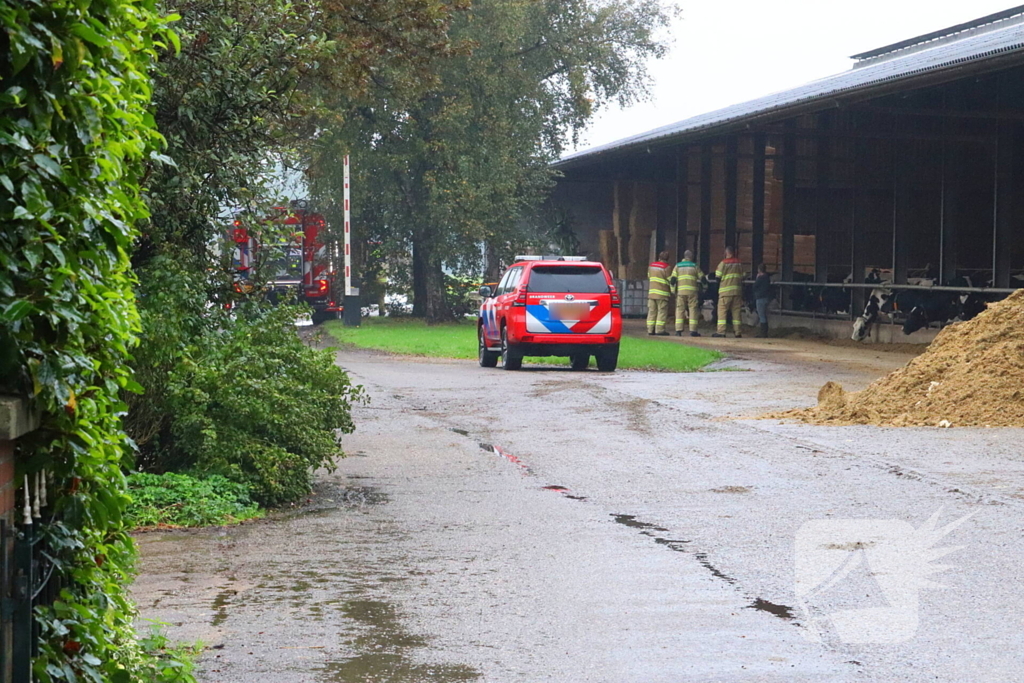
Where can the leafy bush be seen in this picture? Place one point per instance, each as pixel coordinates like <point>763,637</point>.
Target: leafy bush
<point>234,393</point>
<point>182,500</point>
<point>259,406</point>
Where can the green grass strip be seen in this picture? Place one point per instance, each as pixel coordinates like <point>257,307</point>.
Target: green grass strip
<point>412,336</point>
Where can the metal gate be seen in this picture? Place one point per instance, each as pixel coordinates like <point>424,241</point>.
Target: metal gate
<point>30,580</point>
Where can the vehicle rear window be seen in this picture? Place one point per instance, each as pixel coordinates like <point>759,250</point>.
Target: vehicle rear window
<point>581,279</point>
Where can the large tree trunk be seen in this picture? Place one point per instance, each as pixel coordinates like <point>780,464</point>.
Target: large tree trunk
<point>438,310</point>
<point>419,278</point>
<point>429,300</point>
<point>492,265</point>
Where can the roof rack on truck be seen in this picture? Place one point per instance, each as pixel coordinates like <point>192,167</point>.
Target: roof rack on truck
<point>552,257</point>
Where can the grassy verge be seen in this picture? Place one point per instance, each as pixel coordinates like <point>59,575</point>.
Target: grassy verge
<point>180,500</point>
<point>458,340</point>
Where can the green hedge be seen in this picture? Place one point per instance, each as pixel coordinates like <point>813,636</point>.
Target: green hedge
<point>75,134</point>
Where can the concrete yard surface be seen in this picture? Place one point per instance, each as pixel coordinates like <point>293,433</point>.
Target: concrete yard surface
<point>634,527</point>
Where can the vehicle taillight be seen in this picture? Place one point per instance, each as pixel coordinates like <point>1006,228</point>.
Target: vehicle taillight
<point>321,286</point>
<point>521,298</point>
<point>616,301</point>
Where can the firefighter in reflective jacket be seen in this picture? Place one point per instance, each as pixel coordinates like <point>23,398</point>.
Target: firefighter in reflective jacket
<point>730,293</point>
<point>688,277</point>
<point>660,274</point>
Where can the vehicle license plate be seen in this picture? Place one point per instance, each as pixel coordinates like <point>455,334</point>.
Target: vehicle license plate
<point>570,311</point>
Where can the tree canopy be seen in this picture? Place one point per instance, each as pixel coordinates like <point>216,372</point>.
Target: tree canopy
<point>466,161</point>
<point>252,84</point>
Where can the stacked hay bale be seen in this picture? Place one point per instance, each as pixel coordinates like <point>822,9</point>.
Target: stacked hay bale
<point>972,375</point>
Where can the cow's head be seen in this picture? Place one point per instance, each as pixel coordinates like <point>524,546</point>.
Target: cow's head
<point>915,321</point>
<point>970,306</point>
<point>860,329</point>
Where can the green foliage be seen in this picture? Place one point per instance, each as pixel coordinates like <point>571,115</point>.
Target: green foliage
<point>468,160</point>
<point>258,406</point>
<point>233,392</point>
<point>176,319</point>
<point>250,86</point>
<point>171,499</point>
<point>236,393</point>
<point>165,662</point>
<point>75,131</point>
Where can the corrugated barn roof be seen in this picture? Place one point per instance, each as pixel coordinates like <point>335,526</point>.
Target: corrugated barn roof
<point>991,37</point>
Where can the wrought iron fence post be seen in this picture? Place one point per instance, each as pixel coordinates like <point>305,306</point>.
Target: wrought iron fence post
<point>24,580</point>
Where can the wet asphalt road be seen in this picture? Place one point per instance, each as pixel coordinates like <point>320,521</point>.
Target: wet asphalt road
<point>547,525</point>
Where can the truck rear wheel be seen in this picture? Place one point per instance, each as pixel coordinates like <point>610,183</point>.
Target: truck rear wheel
<point>511,356</point>
<point>608,359</point>
<point>579,361</point>
<point>320,317</point>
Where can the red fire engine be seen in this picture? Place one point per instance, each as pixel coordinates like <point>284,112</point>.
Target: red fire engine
<point>304,268</point>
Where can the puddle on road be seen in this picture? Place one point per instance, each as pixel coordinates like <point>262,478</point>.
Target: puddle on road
<point>330,498</point>
<point>220,606</point>
<point>634,523</point>
<point>385,628</point>
<point>681,546</point>
<point>386,644</point>
<point>489,448</point>
<point>677,545</point>
<point>564,491</point>
<point>378,667</point>
<point>780,611</point>
<point>715,571</point>
<point>732,489</point>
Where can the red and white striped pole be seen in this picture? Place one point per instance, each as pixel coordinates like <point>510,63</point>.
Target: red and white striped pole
<point>348,230</point>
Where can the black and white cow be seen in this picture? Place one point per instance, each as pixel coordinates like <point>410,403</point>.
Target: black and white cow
<point>944,307</point>
<point>925,308</point>
<point>879,301</point>
<point>921,307</point>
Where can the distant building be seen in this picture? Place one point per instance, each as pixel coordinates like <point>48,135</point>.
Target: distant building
<point>911,163</point>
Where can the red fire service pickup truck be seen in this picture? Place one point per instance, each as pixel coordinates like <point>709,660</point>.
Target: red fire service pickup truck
<point>551,306</point>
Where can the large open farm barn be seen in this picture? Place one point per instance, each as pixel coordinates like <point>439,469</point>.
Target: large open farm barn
<point>909,167</point>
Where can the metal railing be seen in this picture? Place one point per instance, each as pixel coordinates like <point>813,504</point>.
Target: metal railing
<point>636,306</point>
<point>26,557</point>
<point>885,285</point>
<point>852,313</point>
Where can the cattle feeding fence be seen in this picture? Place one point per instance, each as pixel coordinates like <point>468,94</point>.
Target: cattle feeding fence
<point>886,285</point>
<point>805,299</point>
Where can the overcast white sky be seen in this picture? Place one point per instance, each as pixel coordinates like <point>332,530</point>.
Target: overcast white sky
<point>729,51</point>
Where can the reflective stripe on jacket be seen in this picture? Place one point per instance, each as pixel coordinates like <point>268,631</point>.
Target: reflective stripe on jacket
<point>659,273</point>
<point>730,275</point>
<point>688,276</point>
